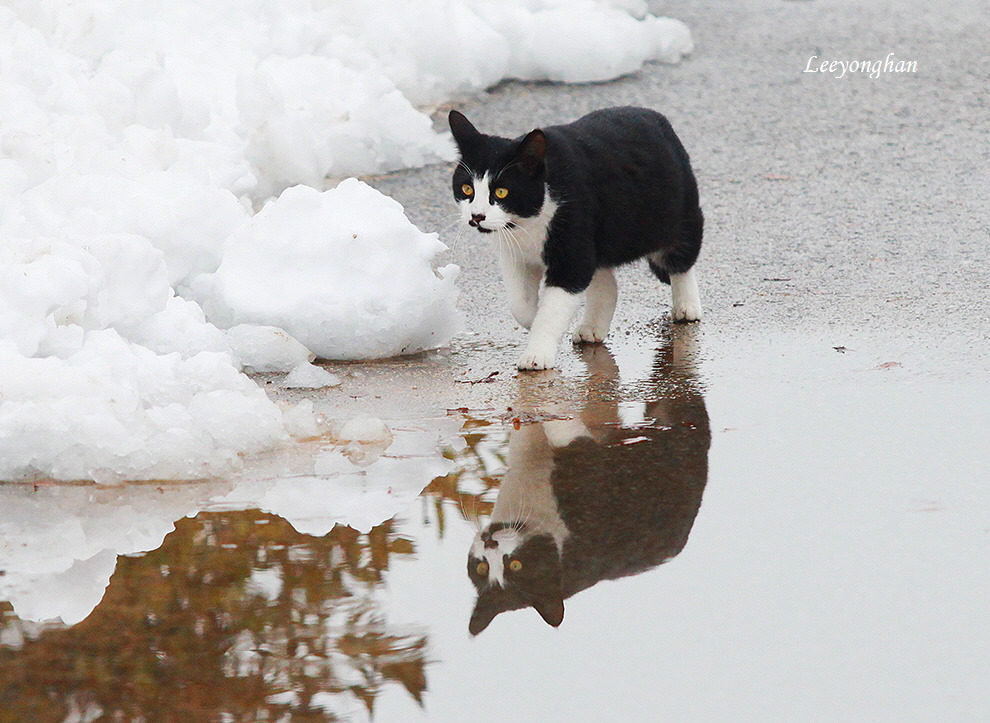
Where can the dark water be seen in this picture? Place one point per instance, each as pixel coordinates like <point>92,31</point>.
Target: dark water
<point>742,549</point>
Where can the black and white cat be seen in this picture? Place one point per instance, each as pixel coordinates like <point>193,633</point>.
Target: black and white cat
<point>589,498</point>
<point>568,204</point>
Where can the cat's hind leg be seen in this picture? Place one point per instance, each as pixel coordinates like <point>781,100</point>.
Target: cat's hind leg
<point>600,299</point>
<point>685,302</point>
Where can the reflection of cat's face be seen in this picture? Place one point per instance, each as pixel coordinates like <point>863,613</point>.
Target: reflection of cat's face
<point>512,568</point>
<point>492,555</point>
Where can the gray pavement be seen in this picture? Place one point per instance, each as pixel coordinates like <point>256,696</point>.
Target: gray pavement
<point>854,209</point>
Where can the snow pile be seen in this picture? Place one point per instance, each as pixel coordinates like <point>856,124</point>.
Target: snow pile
<point>253,96</point>
<point>581,42</point>
<point>108,410</point>
<point>342,271</point>
<point>136,139</point>
<point>79,399</point>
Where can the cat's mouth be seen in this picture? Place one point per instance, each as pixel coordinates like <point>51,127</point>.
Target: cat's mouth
<point>508,225</point>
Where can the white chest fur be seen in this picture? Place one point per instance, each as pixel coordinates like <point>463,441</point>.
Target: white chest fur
<point>529,234</point>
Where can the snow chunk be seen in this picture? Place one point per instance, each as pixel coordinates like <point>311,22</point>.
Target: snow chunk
<point>365,428</point>
<point>266,348</point>
<point>301,421</point>
<point>310,376</point>
<point>343,271</point>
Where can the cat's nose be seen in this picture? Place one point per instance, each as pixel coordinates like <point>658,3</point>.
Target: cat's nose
<point>476,218</point>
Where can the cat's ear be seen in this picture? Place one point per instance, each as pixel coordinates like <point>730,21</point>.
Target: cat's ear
<point>464,132</point>
<point>481,618</point>
<point>532,151</point>
<point>551,609</point>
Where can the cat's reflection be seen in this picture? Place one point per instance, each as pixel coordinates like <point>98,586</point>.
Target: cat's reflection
<point>595,496</point>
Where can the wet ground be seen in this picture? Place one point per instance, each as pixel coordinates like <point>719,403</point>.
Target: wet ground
<point>794,532</point>
<point>779,514</point>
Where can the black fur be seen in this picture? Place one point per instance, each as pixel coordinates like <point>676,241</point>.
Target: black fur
<point>622,180</point>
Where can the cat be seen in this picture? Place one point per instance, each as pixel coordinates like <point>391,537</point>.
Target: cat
<point>588,499</point>
<point>568,204</point>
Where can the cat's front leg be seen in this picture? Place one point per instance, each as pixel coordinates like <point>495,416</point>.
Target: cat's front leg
<point>556,309</point>
<point>522,283</point>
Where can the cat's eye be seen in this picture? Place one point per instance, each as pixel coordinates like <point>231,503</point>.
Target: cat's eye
<point>501,192</point>
<point>467,189</point>
<point>482,568</point>
<point>515,565</point>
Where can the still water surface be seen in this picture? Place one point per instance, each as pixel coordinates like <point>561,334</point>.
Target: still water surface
<point>803,538</point>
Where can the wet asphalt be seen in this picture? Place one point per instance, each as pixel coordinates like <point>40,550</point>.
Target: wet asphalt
<point>853,209</point>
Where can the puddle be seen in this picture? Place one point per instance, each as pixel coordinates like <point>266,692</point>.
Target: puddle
<point>787,532</point>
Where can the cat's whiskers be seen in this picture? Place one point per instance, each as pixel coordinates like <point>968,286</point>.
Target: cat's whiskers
<point>521,514</point>
<point>472,519</point>
<point>524,230</point>
<point>455,225</point>
<point>504,236</point>
<point>529,510</point>
<point>516,248</point>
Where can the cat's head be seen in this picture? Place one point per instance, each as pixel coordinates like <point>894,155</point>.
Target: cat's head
<point>498,181</point>
<point>512,568</point>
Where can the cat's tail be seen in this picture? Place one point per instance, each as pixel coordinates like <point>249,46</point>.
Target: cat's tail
<point>684,253</point>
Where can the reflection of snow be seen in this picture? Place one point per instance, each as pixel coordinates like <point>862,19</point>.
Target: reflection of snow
<point>58,544</point>
<point>68,594</point>
<point>360,499</point>
<point>266,581</point>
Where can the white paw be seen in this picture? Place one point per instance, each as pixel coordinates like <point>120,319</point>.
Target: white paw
<point>686,311</point>
<point>537,357</point>
<point>589,334</point>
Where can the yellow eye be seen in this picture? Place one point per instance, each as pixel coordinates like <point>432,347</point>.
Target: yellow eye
<point>467,189</point>
<point>501,192</point>
<point>515,565</point>
<point>482,568</point>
